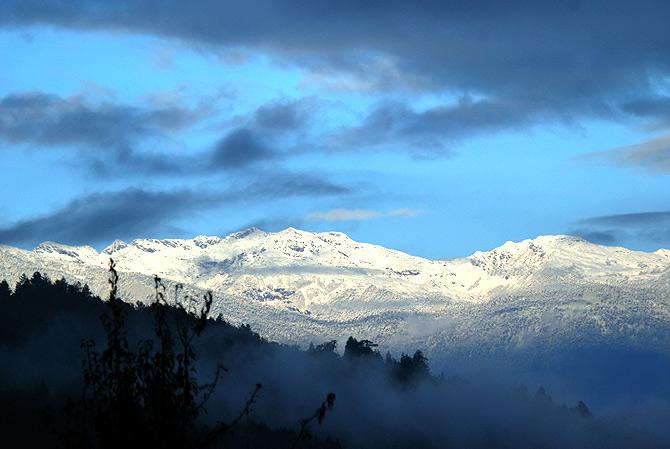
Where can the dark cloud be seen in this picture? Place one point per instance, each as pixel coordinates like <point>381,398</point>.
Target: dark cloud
<point>99,218</point>
<point>655,109</point>
<point>50,120</point>
<point>129,163</point>
<point>282,115</point>
<point>113,133</point>
<point>558,60</point>
<point>645,229</point>
<point>102,217</point>
<point>652,155</point>
<point>642,218</point>
<point>239,148</point>
<point>396,124</point>
<point>599,237</point>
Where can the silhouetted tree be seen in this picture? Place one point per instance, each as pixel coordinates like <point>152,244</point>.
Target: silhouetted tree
<point>327,348</point>
<point>5,291</point>
<point>148,397</point>
<point>35,301</point>
<point>355,348</point>
<point>412,369</point>
<point>318,416</point>
<point>142,410</point>
<point>420,367</point>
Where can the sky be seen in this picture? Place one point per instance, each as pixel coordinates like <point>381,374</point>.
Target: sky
<point>435,128</point>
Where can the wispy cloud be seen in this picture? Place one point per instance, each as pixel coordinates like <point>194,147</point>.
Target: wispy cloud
<point>647,228</point>
<point>398,126</point>
<point>51,120</point>
<point>335,215</point>
<point>652,156</point>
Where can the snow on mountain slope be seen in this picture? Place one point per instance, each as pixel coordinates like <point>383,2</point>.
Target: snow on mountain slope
<point>297,286</point>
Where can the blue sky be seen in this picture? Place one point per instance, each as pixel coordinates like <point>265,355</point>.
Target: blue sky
<point>437,130</point>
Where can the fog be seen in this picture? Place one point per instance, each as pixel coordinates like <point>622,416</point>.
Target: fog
<point>480,403</point>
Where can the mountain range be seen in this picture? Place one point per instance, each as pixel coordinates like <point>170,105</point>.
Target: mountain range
<point>528,300</point>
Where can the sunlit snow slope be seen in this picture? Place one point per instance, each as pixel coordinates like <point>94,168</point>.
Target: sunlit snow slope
<point>297,286</point>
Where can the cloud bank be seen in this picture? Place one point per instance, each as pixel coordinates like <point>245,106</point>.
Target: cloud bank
<point>524,63</point>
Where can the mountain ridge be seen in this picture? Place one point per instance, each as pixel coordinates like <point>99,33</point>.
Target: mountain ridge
<point>118,243</point>
<point>211,262</point>
<point>295,286</point>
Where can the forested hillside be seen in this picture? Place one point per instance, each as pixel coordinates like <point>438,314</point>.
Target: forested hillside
<point>78,371</point>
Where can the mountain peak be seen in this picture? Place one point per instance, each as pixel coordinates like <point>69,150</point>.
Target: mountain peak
<point>246,233</point>
<point>549,240</point>
<point>292,230</point>
<point>116,245</point>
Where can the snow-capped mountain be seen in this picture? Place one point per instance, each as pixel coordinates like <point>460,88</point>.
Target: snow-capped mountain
<point>296,286</point>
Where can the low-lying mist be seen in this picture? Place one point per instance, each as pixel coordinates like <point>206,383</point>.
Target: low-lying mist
<point>381,400</point>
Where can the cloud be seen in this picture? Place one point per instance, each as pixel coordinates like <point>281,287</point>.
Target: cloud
<point>99,218</point>
<point>112,134</point>
<point>655,109</point>
<point>404,212</point>
<point>652,155</point>
<point>642,218</point>
<point>531,61</point>
<point>334,215</point>
<point>240,148</point>
<point>289,184</point>
<point>107,133</point>
<point>287,115</point>
<point>343,215</point>
<point>398,125</point>
<point>643,229</point>
<point>600,237</point>
<point>51,120</point>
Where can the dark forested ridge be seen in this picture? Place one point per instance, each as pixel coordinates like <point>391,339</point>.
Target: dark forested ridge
<point>77,371</point>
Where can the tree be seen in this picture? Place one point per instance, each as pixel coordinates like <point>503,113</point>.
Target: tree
<point>86,291</point>
<point>149,397</point>
<point>5,291</point>
<point>327,348</point>
<point>420,363</point>
<point>412,369</point>
<point>355,348</point>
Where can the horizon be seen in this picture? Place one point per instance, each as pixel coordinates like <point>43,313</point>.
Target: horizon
<point>129,120</point>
